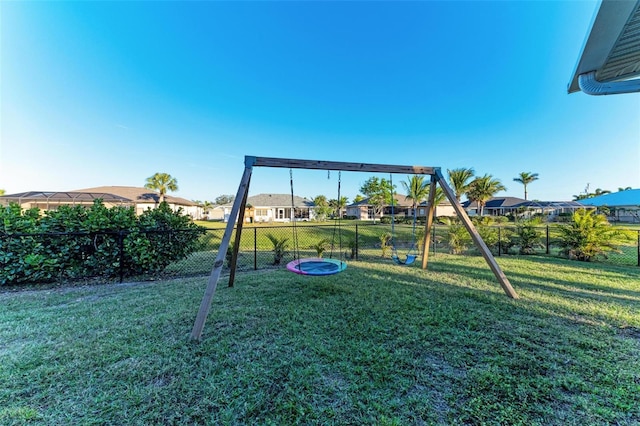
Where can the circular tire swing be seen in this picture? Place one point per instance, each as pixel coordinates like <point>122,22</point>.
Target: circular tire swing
<point>315,266</point>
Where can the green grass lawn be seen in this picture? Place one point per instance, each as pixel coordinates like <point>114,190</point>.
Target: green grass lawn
<point>376,344</point>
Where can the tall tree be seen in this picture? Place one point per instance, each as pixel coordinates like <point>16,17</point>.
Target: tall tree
<point>322,207</point>
<point>601,192</point>
<point>482,189</point>
<point>378,191</point>
<point>224,199</point>
<point>339,205</point>
<point>416,189</point>
<point>162,182</point>
<point>587,194</point>
<point>459,179</point>
<point>525,178</point>
<point>206,206</point>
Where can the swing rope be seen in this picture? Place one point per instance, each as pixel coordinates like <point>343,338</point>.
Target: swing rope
<point>337,224</point>
<point>296,246</point>
<point>313,266</point>
<point>410,258</point>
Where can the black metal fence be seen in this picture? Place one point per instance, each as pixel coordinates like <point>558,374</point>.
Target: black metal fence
<point>269,247</point>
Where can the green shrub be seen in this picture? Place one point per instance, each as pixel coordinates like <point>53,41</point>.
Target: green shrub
<point>352,245</point>
<point>320,247</point>
<point>78,241</point>
<point>385,243</point>
<point>279,248</point>
<point>528,237</point>
<point>588,236</point>
<point>456,236</point>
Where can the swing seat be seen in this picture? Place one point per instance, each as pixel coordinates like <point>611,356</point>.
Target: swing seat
<point>316,266</point>
<point>408,261</point>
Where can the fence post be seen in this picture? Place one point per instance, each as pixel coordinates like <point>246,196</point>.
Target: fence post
<point>499,240</point>
<point>356,242</point>
<point>547,239</point>
<point>255,249</point>
<point>433,239</point>
<point>121,253</point>
<point>638,248</point>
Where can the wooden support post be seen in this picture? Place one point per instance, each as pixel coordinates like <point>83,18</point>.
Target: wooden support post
<point>429,223</point>
<point>236,243</point>
<point>486,253</point>
<point>205,305</point>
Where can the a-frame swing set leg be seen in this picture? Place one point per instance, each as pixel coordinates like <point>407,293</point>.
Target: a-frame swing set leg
<point>205,305</point>
<point>475,236</point>
<point>426,243</point>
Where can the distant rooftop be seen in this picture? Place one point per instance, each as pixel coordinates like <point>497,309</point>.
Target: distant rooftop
<point>63,197</point>
<point>630,197</point>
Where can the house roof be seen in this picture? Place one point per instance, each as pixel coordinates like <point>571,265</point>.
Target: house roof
<point>499,202</point>
<point>69,197</point>
<point>630,197</point>
<point>139,195</point>
<point>401,201</point>
<point>612,47</point>
<point>278,200</point>
<point>552,204</point>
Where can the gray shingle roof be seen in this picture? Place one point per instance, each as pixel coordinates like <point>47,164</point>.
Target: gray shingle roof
<point>278,200</point>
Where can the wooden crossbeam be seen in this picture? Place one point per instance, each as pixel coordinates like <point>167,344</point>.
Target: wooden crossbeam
<point>336,165</point>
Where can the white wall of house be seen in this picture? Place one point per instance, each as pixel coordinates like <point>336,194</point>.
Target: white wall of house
<point>194,211</point>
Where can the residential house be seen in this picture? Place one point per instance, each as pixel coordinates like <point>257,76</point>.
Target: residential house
<point>496,206</point>
<point>624,206</point>
<point>144,199</point>
<point>50,200</point>
<point>275,208</point>
<point>140,198</point>
<point>364,210</point>
<point>502,206</point>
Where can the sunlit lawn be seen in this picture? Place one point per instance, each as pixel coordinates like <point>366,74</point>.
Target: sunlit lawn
<point>376,344</point>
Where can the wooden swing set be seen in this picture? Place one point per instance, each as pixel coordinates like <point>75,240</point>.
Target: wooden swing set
<point>238,209</point>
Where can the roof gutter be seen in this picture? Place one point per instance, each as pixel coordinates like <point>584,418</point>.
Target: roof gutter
<point>589,85</point>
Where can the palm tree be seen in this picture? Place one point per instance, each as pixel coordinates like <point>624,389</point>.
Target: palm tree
<point>417,190</point>
<point>459,180</point>
<point>526,178</point>
<point>162,182</point>
<point>482,189</point>
<point>322,207</point>
<point>599,192</point>
<point>341,204</point>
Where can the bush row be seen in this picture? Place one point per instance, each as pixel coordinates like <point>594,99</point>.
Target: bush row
<point>79,241</point>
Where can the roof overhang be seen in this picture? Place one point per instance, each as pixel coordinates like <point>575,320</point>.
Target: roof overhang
<point>611,54</point>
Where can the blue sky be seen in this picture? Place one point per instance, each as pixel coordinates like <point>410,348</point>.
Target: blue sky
<point>109,93</point>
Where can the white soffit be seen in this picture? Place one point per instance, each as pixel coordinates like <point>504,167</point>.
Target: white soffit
<point>612,47</point>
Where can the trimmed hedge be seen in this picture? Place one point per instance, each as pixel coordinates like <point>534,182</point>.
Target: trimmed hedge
<point>79,241</point>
